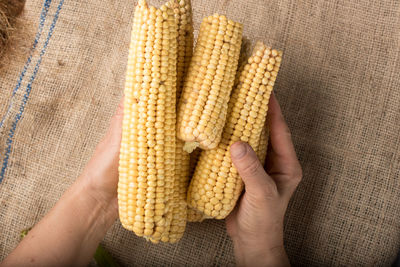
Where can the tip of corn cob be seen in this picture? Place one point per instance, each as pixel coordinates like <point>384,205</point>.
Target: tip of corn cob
<point>142,3</point>
<point>189,147</point>
<point>194,215</point>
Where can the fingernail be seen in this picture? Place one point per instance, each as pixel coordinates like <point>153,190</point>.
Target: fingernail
<point>238,150</point>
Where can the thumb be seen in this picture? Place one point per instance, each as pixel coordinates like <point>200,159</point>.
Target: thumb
<point>257,182</point>
<point>112,138</point>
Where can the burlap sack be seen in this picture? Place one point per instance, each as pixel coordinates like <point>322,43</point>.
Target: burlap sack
<point>338,87</point>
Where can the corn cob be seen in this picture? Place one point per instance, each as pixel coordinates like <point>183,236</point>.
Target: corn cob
<point>183,15</point>
<point>204,101</point>
<point>147,156</point>
<point>216,185</point>
<point>263,144</point>
<point>194,215</point>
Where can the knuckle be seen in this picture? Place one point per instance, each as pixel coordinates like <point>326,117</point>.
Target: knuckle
<point>257,201</point>
<point>120,110</point>
<point>116,117</point>
<point>297,176</point>
<point>252,167</point>
<point>261,194</point>
<point>269,193</point>
<point>288,132</point>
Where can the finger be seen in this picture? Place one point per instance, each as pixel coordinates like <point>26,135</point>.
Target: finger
<point>257,182</point>
<point>282,147</point>
<point>116,120</point>
<point>114,132</point>
<point>281,139</point>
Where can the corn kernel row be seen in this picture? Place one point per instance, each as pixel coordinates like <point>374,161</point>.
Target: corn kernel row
<point>263,144</point>
<point>183,15</point>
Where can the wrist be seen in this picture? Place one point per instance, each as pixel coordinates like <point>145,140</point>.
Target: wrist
<point>260,254</point>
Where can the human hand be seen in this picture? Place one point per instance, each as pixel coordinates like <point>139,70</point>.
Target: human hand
<point>82,216</point>
<point>100,175</point>
<point>256,224</point>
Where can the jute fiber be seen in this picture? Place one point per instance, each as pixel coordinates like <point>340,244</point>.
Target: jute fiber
<point>339,87</point>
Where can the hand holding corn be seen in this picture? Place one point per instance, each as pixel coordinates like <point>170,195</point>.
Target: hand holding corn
<point>177,100</point>
<point>72,230</point>
<point>256,224</point>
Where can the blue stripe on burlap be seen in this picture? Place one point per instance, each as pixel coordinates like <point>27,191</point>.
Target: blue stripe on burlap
<point>42,20</point>
<point>27,93</point>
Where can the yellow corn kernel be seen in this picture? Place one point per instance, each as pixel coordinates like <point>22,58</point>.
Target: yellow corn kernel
<point>208,84</point>
<point>263,144</point>
<point>216,185</point>
<point>147,155</point>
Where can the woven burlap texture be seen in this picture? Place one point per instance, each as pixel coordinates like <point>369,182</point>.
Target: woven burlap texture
<point>339,87</point>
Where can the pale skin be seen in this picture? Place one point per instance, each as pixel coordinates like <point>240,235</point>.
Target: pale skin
<point>70,233</point>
